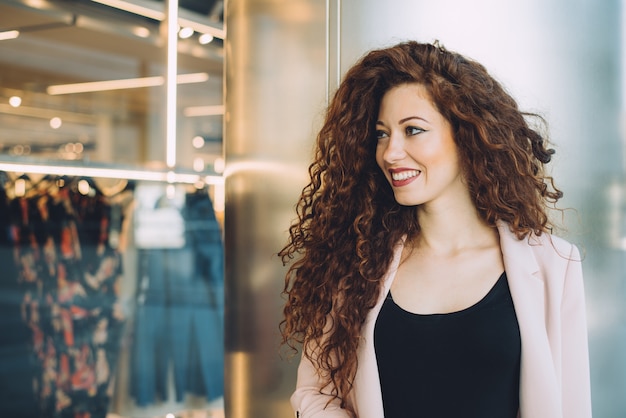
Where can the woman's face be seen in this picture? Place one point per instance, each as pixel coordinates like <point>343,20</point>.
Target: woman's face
<point>416,148</point>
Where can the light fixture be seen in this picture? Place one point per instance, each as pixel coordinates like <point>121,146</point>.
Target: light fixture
<point>198,164</point>
<point>141,31</point>
<point>112,173</point>
<point>219,164</point>
<point>171,82</point>
<point>153,11</point>
<point>129,83</point>
<point>134,8</point>
<point>9,34</point>
<point>56,122</point>
<point>197,142</point>
<point>15,101</point>
<point>20,149</point>
<point>205,38</point>
<point>185,33</point>
<point>193,111</point>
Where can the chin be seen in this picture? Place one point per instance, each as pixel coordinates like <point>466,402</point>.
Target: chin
<point>407,204</point>
<point>407,201</point>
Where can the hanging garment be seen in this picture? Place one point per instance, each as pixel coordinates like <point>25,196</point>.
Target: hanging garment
<point>67,278</point>
<point>17,398</point>
<point>182,289</point>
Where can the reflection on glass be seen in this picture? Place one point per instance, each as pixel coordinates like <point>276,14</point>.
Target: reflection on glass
<point>112,297</point>
<point>95,74</point>
<point>102,237</point>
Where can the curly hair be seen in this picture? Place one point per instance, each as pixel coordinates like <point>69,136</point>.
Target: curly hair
<point>348,221</point>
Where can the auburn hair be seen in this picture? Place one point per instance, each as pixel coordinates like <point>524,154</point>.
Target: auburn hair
<point>348,222</point>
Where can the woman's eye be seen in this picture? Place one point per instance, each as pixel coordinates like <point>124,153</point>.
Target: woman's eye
<point>381,134</point>
<point>413,130</point>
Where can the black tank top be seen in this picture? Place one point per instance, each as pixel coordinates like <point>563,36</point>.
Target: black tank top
<point>461,364</point>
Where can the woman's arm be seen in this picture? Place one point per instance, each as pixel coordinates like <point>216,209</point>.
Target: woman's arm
<point>311,398</point>
<point>576,392</point>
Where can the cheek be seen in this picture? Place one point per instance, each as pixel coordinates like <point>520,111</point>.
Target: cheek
<point>444,154</point>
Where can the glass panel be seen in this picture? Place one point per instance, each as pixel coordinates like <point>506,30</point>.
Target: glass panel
<point>111,295</point>
<point>111,298</point>
<point>83,81</point>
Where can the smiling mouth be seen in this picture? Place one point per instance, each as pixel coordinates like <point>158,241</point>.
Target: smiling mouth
<point>404,175</point>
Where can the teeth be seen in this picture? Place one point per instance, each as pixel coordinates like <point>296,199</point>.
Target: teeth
<point>403,175</point>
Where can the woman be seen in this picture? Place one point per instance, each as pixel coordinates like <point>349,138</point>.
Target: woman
<point>427,282</point>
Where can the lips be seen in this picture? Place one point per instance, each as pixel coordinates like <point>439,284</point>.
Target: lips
<point>401,177</point>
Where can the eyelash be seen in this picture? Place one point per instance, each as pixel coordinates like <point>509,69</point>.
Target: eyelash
<point>409,131</point>
<point>413,128</point>
<point>380,134</point>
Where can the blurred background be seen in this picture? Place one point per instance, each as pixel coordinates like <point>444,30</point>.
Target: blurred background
<point>145,193</point>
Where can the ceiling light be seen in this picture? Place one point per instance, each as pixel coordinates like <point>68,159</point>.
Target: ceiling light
<point>218,165</point>
<point>205,38</point>
<point>197,142</point>
<point>134,8</point>
<point>129,83</point>
<point>185,33</point>
<point>203,110</point>
<point>47,113</point>
<point>9,34</point>
<point>171,86</point>
<point>141,31</point>
<point>151,9</point>
<point>15,101</point>
<point>198,164</point>
<point>55,123</point>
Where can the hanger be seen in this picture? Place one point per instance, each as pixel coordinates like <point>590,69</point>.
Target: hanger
<point>21,185</point>
<point>86,186</point>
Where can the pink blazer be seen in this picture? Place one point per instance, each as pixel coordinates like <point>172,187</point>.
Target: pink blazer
<point>545,278</point>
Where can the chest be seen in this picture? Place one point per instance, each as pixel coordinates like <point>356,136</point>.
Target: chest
<point>426,283</point>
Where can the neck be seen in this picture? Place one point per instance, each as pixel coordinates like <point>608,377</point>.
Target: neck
<point>453,229</point>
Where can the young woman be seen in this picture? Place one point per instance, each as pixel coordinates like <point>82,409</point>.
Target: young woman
<point>427,282</point>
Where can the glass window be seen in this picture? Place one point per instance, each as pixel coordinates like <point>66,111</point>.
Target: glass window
<point>111,295</point>
<point>83,81</point>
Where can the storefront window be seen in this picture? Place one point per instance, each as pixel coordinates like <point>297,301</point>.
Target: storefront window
<point>111,296</point>
<point>83,81</point>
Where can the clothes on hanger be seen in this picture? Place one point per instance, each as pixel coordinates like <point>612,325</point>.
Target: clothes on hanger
<point>63,276</point>
<point>179,318</point>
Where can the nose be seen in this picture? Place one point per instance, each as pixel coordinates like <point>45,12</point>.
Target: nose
<point>394,149</point>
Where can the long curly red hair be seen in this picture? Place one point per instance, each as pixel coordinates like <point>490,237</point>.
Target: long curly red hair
<point>348,221</point>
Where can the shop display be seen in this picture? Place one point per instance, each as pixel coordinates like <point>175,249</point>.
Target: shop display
<point>179,301</point>
<point>62,280</point>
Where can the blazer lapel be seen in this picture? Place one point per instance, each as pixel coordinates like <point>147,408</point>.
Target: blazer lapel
<point>538,383</point>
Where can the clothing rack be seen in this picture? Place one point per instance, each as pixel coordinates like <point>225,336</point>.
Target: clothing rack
<point>104,171</point>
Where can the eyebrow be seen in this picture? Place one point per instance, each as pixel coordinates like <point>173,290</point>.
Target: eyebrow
<point>401,121</point>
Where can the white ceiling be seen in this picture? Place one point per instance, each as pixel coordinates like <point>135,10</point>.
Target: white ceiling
<point>78,41</point>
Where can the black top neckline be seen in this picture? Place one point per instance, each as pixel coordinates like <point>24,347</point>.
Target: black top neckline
<point>478,305</point>
<point>460,364</point>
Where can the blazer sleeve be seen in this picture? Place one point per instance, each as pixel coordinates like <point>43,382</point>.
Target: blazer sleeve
<point>311,399</point>
<point>576,392</point>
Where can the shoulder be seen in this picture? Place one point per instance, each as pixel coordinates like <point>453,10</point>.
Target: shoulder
<point>544,245</point>
<point>550,255</point>
<point>559,264</point>
<point>548,246</point>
